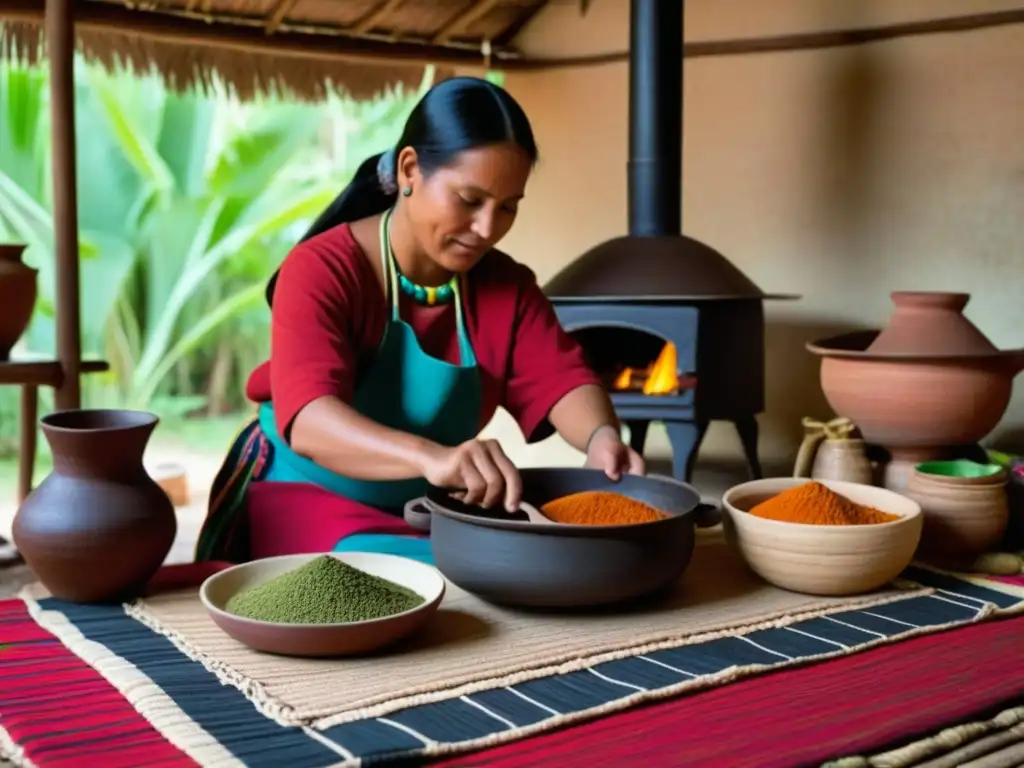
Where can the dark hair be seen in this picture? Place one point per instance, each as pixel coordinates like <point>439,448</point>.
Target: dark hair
<point>455,115</point>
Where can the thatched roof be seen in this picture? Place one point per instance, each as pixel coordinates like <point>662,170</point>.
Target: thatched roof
<point>301,47</point>
<point>306,47</point>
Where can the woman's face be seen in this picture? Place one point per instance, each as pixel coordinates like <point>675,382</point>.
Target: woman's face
<point>460,211</point>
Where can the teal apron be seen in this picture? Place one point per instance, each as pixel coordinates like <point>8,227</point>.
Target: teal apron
<point>405,389</point>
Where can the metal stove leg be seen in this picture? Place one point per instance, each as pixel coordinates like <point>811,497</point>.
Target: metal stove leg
<point>747,429</point>
<point>686,437</point>
<point>637,434</point>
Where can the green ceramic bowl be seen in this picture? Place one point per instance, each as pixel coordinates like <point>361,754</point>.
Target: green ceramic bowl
<point>959,468</point>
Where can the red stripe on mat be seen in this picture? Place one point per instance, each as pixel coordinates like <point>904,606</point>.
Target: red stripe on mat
<point>1017,581</point>
<point>41,681</point>
<point>856,704</point>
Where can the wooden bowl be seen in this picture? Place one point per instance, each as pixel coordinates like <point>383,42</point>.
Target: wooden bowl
<point>823,559</point>
<point>322,640</point>
<point>552,565</point>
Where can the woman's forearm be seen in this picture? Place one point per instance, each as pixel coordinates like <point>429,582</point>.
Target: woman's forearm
<point>581,412</point>
<point>339,438</point>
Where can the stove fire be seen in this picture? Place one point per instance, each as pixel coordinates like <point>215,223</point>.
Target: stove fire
<point>659,378</point>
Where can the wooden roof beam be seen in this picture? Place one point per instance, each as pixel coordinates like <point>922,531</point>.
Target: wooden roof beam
<point>462,21</point>
<point>375,17</point>
<point>281,10</point>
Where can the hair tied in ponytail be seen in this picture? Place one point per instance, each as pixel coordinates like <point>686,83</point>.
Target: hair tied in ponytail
<point>386,175</point>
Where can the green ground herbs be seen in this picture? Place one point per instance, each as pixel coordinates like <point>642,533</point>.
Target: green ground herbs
<point>323,591</point>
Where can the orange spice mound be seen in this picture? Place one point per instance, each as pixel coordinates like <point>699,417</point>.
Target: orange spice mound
<point>600,508</point>
<point>814,504</point>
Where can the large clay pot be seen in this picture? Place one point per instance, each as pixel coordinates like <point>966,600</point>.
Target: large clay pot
<point>17,297</point>
<point>918,410</point>
<point>964,504</point>
<point>928,382</point>
<point>99,527</point>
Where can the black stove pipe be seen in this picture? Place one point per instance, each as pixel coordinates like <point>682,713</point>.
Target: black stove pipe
<point>655,170</point>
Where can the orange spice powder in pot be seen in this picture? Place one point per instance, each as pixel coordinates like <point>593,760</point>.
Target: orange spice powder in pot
<point>600,508</point>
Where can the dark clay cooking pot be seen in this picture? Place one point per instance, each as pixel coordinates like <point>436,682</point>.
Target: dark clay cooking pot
<point>99,527</point>
<point>516,562</point>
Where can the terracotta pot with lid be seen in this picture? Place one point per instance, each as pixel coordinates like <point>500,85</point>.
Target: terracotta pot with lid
<point>98,528</point>
<point>929,381</point>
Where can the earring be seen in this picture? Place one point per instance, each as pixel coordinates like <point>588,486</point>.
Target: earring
<point>407,191</point>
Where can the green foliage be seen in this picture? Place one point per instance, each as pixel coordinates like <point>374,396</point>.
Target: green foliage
<point>187,203</point>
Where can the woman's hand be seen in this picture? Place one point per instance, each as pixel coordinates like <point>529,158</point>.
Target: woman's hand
<point>478,466</point>
<point>607,451</point>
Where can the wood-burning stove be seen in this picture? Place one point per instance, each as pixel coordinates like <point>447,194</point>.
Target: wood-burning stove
<point>676,330</point>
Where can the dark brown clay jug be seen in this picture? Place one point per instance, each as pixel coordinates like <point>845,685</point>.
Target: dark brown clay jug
<point>17,297</point>
<point>99,527</point>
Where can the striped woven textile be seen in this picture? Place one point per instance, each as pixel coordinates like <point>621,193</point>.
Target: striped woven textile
<point>81,682</point>
<point>866,704</point>
<point>225,534</point>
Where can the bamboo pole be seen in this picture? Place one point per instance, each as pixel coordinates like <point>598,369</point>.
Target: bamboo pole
<point>60,41</point>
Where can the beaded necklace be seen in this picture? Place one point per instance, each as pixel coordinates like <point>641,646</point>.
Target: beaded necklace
<point>428,295</point>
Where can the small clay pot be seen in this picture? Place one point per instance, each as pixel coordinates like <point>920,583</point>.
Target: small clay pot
<point>842,460</point>
<point>99,527</point>
<point>830,452</point>
<point>17,296</point>
<point>964,514</point>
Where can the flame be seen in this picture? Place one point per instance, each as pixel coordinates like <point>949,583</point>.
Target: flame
<point>661,378</point>
<point>624,379</point>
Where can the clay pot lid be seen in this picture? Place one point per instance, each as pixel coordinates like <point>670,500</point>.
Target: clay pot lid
<point>926,325</point>
<point>931,323</point>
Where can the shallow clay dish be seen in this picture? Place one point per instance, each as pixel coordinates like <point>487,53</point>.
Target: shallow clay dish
<point>321,640</point>
<point>823,559</point>
<point>552,565</point>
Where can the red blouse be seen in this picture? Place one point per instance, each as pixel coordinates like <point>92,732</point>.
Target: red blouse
<point>328,319</point>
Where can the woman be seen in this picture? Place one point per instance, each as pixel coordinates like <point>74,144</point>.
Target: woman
<point>396,332</point>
